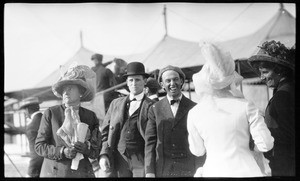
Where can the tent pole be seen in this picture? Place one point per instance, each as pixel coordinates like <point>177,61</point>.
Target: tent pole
<point>165,19</point>
<point>239,71</point>
<point>190,96</point>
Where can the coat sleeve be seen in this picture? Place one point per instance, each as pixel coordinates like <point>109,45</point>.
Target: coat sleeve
<point>150,142</point>
<point>95,138</point>
<point>143,117</point>
<point>105,130</point>
<point>195,140</point>
<point>43,146</point>
<point>258,129</point>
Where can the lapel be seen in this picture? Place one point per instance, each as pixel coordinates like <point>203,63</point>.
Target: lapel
<point>61,115</point>
<point>166,108</point>
<point>183,108</point>
<point>121,108</point>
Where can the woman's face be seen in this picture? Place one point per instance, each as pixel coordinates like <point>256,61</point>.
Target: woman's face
<point>71,94</point>
<point>269,77</point>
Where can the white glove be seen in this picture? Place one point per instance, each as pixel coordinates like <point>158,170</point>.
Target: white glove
<point>104,163</point>
<point>150,175</point>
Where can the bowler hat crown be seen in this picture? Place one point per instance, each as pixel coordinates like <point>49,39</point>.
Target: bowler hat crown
<point>136,68</point>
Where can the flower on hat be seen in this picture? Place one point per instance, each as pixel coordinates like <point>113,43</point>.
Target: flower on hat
<point>278,50</point>
<point>275,52</point>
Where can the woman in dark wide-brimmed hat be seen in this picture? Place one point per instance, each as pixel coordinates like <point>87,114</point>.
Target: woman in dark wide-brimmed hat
<point>276,64</point>
<point>58,139</point>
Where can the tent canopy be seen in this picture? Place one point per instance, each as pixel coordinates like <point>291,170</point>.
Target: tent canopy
<point>184,54</point>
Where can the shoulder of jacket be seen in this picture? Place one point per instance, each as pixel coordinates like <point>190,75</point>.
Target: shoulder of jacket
<point>53,108</point>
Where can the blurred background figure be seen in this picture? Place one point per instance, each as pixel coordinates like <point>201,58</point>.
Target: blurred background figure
<point>276,65</point>
<point>104,79</point>
<point>151,89</point>
<point>118,67</point>
<point>32,111</point>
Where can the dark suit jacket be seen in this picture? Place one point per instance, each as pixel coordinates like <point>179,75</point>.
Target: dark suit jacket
<point>36,161</point>
<point>48,144</point>
<point>280,118</point>
<point>157,132</point>
<point>114,121</point>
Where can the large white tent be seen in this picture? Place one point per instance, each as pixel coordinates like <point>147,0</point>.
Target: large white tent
<point>181,53</point>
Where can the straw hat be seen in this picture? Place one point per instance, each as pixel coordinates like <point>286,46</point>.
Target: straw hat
<point>274,52</point>
<point>80,75</point>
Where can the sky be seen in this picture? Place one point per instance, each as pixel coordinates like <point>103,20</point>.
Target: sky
<point>40,37</point>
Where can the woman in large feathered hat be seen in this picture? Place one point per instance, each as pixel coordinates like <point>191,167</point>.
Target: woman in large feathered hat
<point>69,138</point>
<point>275,64</point>
<point>223,121</point>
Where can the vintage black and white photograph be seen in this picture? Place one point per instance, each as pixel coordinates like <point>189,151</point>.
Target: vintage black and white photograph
<point>149,90</point>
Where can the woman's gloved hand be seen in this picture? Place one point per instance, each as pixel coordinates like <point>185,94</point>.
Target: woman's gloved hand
<point>82,148</point>
<point>70,152</point>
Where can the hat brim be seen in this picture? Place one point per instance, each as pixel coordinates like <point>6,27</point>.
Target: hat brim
<point>143,74</point>
<point>265,58</point>
<point>88,95</point>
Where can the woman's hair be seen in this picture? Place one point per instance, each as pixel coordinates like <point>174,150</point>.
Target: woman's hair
<point>278,69</point>
<point>81,89</point>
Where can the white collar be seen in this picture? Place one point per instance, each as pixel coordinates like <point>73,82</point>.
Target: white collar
<point>153,96</point>
<point>35,113</point>
<point>138,97</point>
<point>169,98</point>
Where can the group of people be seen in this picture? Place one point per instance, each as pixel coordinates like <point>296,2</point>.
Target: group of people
<point>143,136</point>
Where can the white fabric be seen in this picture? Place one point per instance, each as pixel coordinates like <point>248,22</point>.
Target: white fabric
<point>153,96</point>
<point>175,106</point>
<point>221,127</point>
<point>134,105</point>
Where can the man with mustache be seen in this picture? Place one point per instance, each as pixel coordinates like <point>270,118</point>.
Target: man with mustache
<point>167,151</point>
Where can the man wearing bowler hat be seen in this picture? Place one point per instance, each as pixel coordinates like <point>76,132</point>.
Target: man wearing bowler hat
<point>32,110</point>
<point>124,127</point>
<point>167,151</point>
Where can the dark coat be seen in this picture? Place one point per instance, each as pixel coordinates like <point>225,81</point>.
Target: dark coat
<point>114,121</point>
<point>279,117</point>
<point>48,144</point>
<point>36,161</point>
<point>166,132</point>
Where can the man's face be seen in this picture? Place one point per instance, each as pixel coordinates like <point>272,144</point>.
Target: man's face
<point>172,83</point>
<point>71,94</point>
<point>136,83</point>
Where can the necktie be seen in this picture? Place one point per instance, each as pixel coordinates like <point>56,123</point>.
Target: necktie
<point>173,101</point>
<point>128,103</point>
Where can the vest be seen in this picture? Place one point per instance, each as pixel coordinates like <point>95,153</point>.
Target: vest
<point>131,141</point>
<point>175,145</point>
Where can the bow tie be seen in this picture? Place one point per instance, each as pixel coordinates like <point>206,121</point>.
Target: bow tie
<point>174,101</point>
<point>134,99</point>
